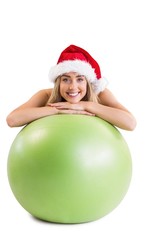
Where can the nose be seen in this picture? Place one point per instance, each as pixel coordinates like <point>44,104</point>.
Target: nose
<point>72,85</point>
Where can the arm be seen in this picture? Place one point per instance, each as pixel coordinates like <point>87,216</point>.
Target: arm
<point>112,111</point>
<point>33,109</point>
<point>108,109</point>
<point>36,107</point>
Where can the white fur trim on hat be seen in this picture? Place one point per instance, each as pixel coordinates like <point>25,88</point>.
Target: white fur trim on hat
<point>81,67</point>
<point>99,85</point>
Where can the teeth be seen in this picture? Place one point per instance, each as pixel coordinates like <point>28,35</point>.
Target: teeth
<point>73,94</point>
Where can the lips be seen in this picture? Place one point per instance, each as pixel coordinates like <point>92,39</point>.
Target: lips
<point>73,94</point>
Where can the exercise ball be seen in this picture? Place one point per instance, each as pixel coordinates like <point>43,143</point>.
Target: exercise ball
<point>69,168</point>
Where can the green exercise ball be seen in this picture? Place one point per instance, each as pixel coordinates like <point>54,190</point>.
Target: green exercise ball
<point>69,168</point>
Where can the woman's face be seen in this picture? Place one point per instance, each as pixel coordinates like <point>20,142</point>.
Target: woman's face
<point>73,87</point>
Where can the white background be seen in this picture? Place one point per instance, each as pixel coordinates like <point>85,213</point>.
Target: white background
<point>124,37</point>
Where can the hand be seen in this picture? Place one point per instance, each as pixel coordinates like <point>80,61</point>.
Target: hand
<point>69,108</point>
<point>70,111</point>
<point>67,105</point>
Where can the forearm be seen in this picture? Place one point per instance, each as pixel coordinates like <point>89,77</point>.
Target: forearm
<point>21,117</point>
<point>118,117</point>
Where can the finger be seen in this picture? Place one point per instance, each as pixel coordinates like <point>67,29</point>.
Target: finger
<point>55,104</point>
<point>75,112</point>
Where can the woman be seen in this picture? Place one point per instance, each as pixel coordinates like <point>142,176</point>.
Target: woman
<point>78,89</point>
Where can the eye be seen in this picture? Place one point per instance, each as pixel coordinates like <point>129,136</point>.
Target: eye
<point>80,79</point>
<point>65,80</point>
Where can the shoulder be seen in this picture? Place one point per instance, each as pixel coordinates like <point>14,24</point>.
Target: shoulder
<point>40,98</point>
<point>106,97</point>
<point>45,93</point>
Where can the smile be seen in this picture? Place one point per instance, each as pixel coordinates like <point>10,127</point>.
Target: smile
<point>71,94</point>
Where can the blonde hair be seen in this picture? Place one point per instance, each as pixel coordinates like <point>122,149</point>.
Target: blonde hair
<point>56,97</point>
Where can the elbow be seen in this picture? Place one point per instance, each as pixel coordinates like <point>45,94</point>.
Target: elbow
<point>132,124</point>
<point>10,121</point>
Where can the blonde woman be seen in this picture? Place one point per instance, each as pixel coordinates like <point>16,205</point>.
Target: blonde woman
<point>78,88</point>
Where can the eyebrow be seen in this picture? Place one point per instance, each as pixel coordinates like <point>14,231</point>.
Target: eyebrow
<point>65,75</point>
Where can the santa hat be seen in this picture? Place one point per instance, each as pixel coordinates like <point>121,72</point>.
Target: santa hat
<point>76,59</point>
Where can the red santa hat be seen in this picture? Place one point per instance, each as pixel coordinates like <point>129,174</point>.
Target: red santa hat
<point>76,59</point>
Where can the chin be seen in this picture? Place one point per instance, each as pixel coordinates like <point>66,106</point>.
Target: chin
<point>73,100</point>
